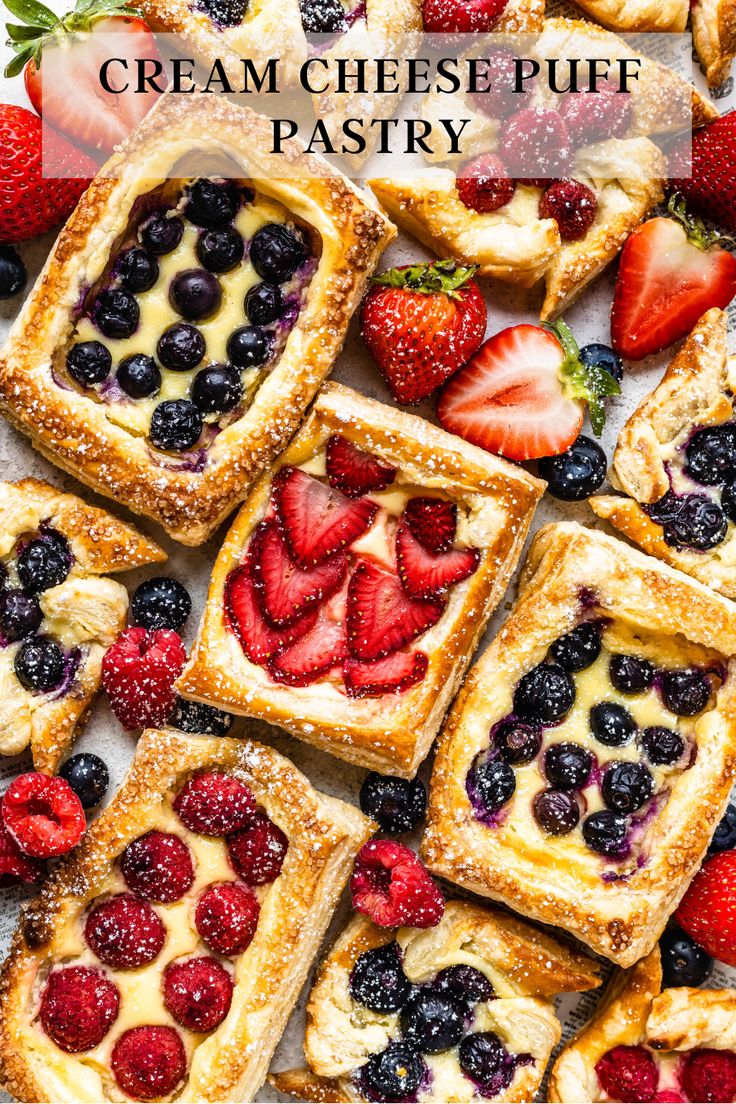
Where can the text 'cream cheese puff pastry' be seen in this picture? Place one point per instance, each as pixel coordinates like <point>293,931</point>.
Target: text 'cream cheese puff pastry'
<point>163,957</point>
<point>58,612</point>
<point>357,579</point>
<point>456,1013</point>
<point>182,324</point>
<point>676,461</point>
<point>645,1043</point>
<point>590,754</point>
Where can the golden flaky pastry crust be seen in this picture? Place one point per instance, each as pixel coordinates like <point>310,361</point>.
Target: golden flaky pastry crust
<point>73,430</point>
<point>696,390</point>
<point>230,1063</point>
<point>571,572</point>
<point>713,24</point>
<point>392,733</point>
<point>84,613</point>
<point>526,967</point>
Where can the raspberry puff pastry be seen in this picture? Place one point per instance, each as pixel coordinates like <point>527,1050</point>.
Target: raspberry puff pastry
<point>456,1013</point>
<point>677,1044</point>
<point>181,326</point>
<point>58,612</point>
<point>676,461</point>
<point>164,956</point>
<point>590,754</point>
<point>357,579</point>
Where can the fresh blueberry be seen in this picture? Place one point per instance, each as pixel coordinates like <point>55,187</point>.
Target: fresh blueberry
<point>576,473</point>
<point>432,1021</point>
<point>43,563</point>
<point>605,833</point>
<point>665,509</point>
<point>264,304</point>
<point>196,294</point>
<point>212,203</point>
<point>20,615</point>
<point>161,603</point>
<point>612,724</point>
<point>711,455</point>
<point>578,649</point>
<point>88,777</point>
<point>567,766</point>
<point>466,985</point>
<point>223,13</point>
<point>88,362</point>
<point>494,782</point>
<point>630,674</point>
<point>217,389</point>
<point>39,664</point>
<point>626,786</point>
<point>249,347</point>
<point>161,234</point>
<point>220,250</point>
<point>378,980</point>
<point>196,717</point>
<point>597,355</point>
<point>322,16</point>
<point>556,811</point>
<point>684,962</point>
<point>276,252</point>
<point>176,425</point>
<point>724,837</point>
<point>13,273</point>
<point>393,1074</point>
<point>137,270</point>
<point>116,313</point>
<point>396,804</point>
<point>662,746</point>
<point>181,347</point>
<point>685,691</point>
<point>518,742</point>
<point>698,523</point>
<point>544,694</point>
<point>484,1059</point>
<point>138,376</point>
<point>728,501</point>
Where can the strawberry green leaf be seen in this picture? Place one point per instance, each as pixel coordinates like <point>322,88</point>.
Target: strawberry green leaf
<point>590,383</point>
<point>33,13</point>
<point>14,67</point>
<point>429,278</point>
<point>17,33</point>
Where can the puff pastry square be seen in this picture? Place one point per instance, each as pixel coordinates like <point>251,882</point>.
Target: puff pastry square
<point>344,710</point>
<point>56,552</point>
<point>194,474</point>
<point>579,779</point>
<point>502,973</point>
<point>655,463</point>
<point>318,839</point>
<point>670,1025</point>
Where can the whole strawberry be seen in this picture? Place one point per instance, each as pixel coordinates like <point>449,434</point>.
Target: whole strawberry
<point>421,323</point>
<point>138,673</point>
<point>711,185</point>
<point>707,912</point>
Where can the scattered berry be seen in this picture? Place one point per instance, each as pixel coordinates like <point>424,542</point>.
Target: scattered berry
<point>491,783</point>
<point>396,804</point>
<point>707,912</point>
<point>392,887</point>
<point>576,473</point>
<point>432,1021</point>
<point>378,980</point>
<point>197,992</point>
<point>578,649</point>
<point>149,1062</point>
<point>158,866</point>
<point>215,803</point>
<point>595,116</point>
<point>567,766</point>
<point>724,837</point>
<point>393,1074</point>
<point>43,815</point>
<point>517,742</point>
<point>662,746</point>
<point>353,471</point>
<point>258,852</point>
<point>572,205</point>
<point>15,867</point>
<point>685,691</point>
<point>161,603</point>
<point>536,140</point>
<point>612,724</point>
<point>544,694</point>
<point>605,833</point>
<point>124,932</point>
<point>226,917</point>
<point>461,16</point>
<point>88,777</point>
<point>628,1073</point>
<point>709,1075</point>
<point>499,100</point>
<point>484,185</point>
<point>597,355</point>
<point>196,717</point>
<point>138,673</point>
<point>78,1007</point>
<point>684,962</point>
<point>13,273</point>
<point>39,664</point>
<point>630,674</point>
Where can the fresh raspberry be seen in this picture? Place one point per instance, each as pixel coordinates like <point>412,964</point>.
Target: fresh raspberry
<point>226,917</point>
<point>198,992</point>
<point>15,867</point>
<point>596,116</point>
<point>257,853</point>
<point>572,205</point>
<point>138,673</point>
<point>499,76</point>
<point>669,1096</point>
<point>707,912</point>
<point>628,1073</point>
<point>43,815</point>
<point>149,1061</point>
<point>536,140</point>
<point>158,866</point>
<point>78,1007</point>
<point>392,887</point>
<point>215,804</point>
<point>484,185</point>
<point>124,932</point>
<point>709,1076</point>
<point>461,16</point>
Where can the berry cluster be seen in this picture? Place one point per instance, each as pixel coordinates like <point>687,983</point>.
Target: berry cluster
<point>632,1073</point>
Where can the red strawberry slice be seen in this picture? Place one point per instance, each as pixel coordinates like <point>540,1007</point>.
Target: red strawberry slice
<point>284,590</point>
<point>354,471</point>
<point>317,520</point>
<point>391,675</point>
<point>257,638</point>
<point>433,521</point>
<point>382,617</point>
<point>312,655</point>
<point>424,573</point>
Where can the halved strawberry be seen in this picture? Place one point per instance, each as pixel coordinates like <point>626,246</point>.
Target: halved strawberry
<point>522,395</point>
<point>354,471</point>
<point>382,617</point>
<point>313,654</point>
<point>317,520</point>
<point>433,521</point>
<point>283,589</point>
<point>424,573</point>
<point>257,638</point>
<point>391,675</point>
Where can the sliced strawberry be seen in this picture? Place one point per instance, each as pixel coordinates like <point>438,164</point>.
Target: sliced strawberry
<point>317,520</point>
<point>354,471</point>
<point>424,573</point>
<point>382,617</point>
<point>391,675</point>
<point>284,590</point>
<point>433,521</point>
<point>313,654</point>
<point>257,638</point>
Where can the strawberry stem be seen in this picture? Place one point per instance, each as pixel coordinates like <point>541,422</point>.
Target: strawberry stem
<point>697,232</point>
<point>588,383</point>
<point>39,25</point>
<point>429,278</point>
